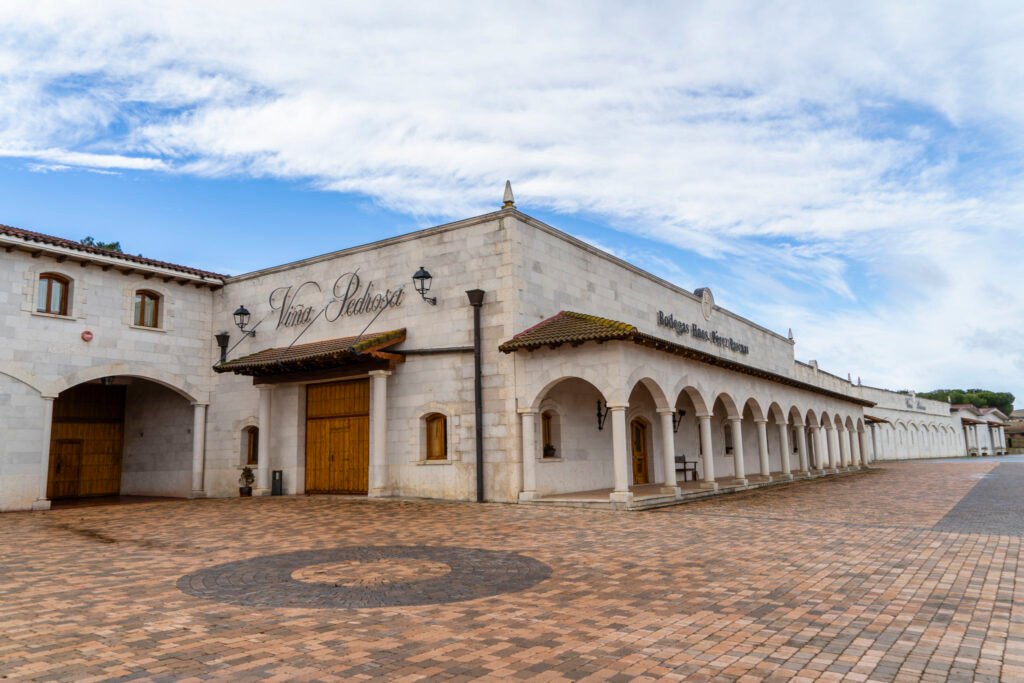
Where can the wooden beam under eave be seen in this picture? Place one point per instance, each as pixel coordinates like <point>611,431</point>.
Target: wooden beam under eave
<point>36,254</point>
<point>9,248</point>
<point>127,271</point>
<point>62,258</point>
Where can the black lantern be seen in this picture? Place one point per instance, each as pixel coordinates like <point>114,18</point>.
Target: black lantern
<point>422,280</point>
<point>242,320</point>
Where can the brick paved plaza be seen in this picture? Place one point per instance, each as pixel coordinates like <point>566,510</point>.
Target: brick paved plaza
<point>907,572</point>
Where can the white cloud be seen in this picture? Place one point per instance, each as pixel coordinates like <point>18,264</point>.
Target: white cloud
<point>813,150</point>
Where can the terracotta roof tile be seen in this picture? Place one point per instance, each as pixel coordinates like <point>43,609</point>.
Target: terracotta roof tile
<point>40,238</point>
<point>568,327</point>
<point>315,354</point>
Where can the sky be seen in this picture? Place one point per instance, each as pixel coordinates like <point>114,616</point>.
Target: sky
<point>852,171</point>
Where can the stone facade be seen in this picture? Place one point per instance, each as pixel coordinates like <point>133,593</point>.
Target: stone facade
<point>749,409</point>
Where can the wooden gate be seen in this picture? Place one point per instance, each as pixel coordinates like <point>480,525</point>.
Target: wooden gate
<point>338,437</point>
<point>86,442</point>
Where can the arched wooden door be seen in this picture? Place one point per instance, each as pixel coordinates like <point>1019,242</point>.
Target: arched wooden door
<point>639,439</point>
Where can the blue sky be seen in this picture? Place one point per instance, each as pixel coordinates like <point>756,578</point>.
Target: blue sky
<point>852,172</point>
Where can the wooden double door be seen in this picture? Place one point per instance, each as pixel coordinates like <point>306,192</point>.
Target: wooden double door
<point>338,437</point>
<point>86,442</point>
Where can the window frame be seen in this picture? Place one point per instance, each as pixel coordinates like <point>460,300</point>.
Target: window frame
<point>65,299</point>
<point>139,312</point>
<point>252,446</point>
<point>429,452</point>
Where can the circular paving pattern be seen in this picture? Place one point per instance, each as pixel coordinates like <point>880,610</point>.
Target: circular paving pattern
<point>366,576</point>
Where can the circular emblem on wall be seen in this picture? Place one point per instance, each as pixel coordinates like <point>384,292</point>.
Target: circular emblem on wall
<point>707,302</point>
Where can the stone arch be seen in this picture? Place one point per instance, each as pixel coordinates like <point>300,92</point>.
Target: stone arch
<point>730,405</point>
<point>653,388</point>
<point>795,418</point>
<point>755,409</point>
<point>776,411</point>
<point>811,419</point>
<point>589,376</point>
<point>26,378</point>
<point>695,396</point>
<point>152,374</point>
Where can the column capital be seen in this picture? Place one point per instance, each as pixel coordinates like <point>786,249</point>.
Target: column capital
<point>616,406</point>
<point>736,419</point>
<point>666,412</point>
<point>379,373</point>
<point>527,411</point>
<point>761,420</point>
<point>196,404</point>
<point>48,398</point>
<point>704,416</point>
<point>266,387</point>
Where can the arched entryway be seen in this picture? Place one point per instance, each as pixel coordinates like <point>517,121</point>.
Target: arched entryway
<point>120,436</point>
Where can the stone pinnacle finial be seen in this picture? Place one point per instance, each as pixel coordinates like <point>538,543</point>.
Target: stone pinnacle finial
<point>791,334</point>
<point>508,201</point>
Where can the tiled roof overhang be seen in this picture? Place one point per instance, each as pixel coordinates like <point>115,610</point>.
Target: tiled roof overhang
<point>35,243</point>
<point>321,355</point>
<point>569,327</point>
<point>876,420</point>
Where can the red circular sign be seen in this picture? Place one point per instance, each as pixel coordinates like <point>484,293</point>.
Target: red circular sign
<point>87,336</point>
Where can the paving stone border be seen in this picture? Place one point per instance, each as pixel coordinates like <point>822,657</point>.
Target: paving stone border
<point>267,581</point>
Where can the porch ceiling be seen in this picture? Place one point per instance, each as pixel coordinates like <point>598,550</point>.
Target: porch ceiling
<point>569,327</point>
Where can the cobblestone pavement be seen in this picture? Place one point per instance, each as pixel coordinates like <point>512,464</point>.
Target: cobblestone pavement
<point>851,579</point>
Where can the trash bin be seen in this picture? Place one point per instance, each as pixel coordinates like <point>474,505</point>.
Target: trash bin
<point>277,483</point>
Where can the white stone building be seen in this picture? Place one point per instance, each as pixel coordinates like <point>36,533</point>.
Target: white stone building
<point>599,383</point>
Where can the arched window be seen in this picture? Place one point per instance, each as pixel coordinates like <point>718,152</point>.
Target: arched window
<point>550,433</point>
<point>251,444</point>
<point>53,294</point>
<point>437,436</point>
<point>147,308</point>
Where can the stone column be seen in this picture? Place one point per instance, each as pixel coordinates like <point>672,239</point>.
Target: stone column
<point>832,437</point>
<point>842,436</point>
<point>787,468</point>
<point>198,449</point>
<point>668,447</point>
<point>620,454</point>
<point>378,484</point>
<point>529,451</point>
<point>762,448</point>
<point>42,502</point>
<point>874,443</point>
<point>855,454</point>
<point>708,481</point>
<point>738,466</point>
<point>816,441</point>
<point>266,451</point>
<point>801,449</point>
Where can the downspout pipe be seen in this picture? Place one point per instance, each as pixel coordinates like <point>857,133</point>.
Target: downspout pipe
<point>476,300</point>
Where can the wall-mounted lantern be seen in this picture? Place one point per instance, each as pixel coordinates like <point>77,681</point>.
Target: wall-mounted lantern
<point>602,414</point>
<point>242,316</point>
<point>422,280</point>
<point>677,419</point>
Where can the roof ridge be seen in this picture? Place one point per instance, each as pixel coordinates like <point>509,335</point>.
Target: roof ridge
<point>66,243</point>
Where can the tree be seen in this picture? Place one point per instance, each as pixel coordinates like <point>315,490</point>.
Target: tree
<point>981,398</point>
<point>109,246</point>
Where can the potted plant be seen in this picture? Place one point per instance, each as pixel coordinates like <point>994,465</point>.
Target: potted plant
<point>245,481</point>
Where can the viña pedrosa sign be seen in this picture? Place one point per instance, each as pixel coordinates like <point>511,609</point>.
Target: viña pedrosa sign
<point>300,305</point>
<point>697,332</point>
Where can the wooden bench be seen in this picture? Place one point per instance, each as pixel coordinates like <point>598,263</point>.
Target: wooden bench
<point>686,467</point>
